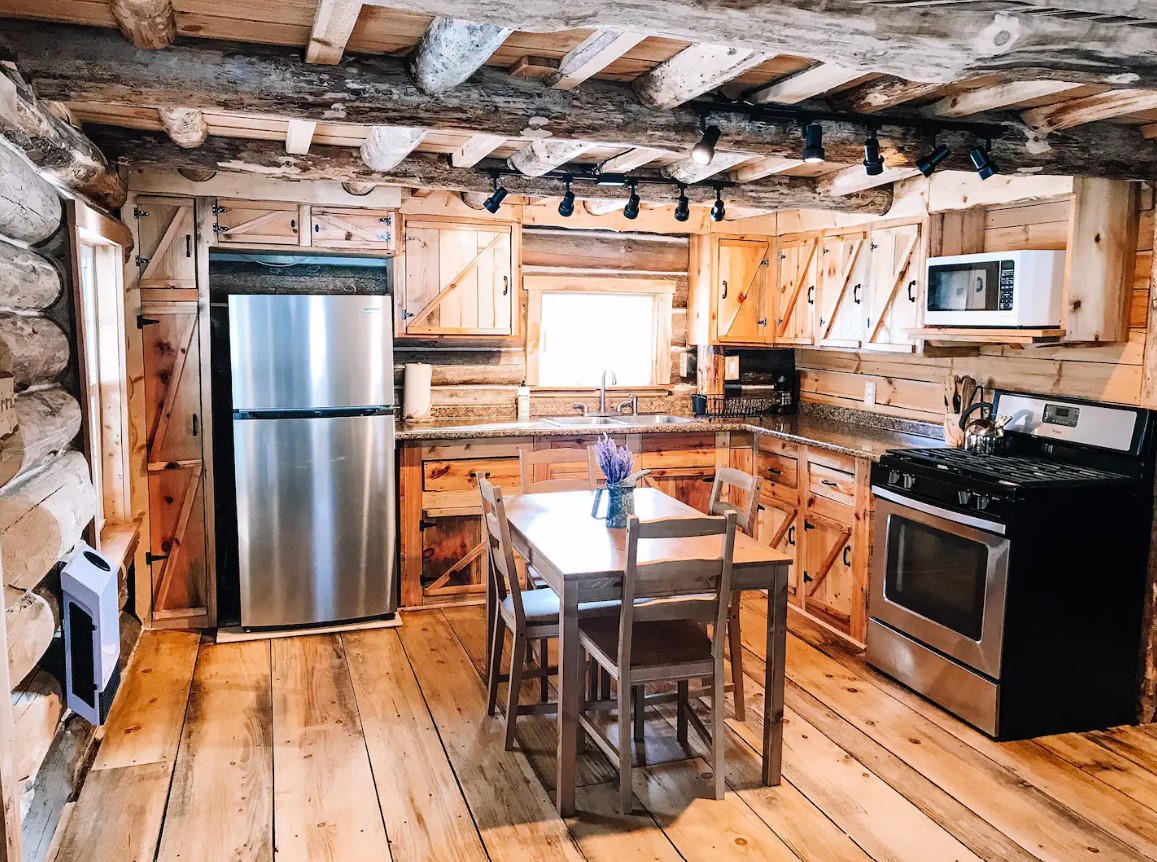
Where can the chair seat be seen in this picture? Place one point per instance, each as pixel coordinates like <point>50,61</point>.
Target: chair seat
<point>542,606</point>
<point>657,643</point>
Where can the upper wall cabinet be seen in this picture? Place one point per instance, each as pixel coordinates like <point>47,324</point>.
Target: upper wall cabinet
<point>895,285</point>
<point>794,297</point>
<point>352,228</point>
<point>730,299</point>
<point>165,253</point>
<point>459,278</point>
<point>843,280</point>
<point>274,224</point>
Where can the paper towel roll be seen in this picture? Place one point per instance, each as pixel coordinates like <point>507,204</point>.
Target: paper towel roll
<point>416,395</point>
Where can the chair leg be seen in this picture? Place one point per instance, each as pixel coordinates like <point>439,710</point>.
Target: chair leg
<point>717,730</point>
<point>640,693</point>
<point>626,794</point>
<point>543,663</point>
<point>735,644</point>
<point>681,720</point>
<point>517,663</point>
<point>494,663</point>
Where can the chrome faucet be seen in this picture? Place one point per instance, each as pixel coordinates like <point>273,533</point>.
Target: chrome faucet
<point>603,389</point>
<point>632,403</point>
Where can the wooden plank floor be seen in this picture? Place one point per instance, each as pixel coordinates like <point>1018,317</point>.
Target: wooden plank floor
<point>375,745</point>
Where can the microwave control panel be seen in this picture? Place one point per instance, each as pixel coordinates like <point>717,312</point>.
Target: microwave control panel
<point>1007,277</point>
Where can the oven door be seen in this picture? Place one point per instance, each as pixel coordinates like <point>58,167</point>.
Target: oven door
<point>941,577</point>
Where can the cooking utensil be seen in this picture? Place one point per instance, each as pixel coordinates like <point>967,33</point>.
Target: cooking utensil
<point>949,384</point>
<point>967,391</point>
<point>984,436</point>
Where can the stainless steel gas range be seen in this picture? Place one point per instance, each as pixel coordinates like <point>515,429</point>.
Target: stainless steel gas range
<point>1009,588</point>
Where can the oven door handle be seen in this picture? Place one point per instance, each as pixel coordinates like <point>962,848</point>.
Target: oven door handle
<point>937,511</point>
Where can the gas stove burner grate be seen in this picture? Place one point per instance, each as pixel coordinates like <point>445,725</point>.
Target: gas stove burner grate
<point>1012,470</point>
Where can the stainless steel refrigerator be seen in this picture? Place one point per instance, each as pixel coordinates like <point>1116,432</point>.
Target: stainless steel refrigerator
<point>313,432</point>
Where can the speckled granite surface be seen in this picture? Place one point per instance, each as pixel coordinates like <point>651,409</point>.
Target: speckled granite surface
<point>829,431</point>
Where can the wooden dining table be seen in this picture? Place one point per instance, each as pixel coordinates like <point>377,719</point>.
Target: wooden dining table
<point>583,560</point>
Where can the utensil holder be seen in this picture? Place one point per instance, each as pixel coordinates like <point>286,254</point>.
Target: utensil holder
<point>953,433</point>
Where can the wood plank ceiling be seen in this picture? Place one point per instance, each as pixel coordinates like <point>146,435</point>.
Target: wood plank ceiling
<point>664,72</point>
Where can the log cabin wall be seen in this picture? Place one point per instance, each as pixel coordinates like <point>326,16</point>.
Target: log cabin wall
<point>909,385</point>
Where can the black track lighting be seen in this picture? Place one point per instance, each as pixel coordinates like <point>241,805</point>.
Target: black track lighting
<point>932,159</point>
<point>718,210</point>
<point>813,143</point>
<point>494,202</point>
<point>873,161</point>
<point>566,205</point>
<point>631,210</point>
<point>982,161</point>
<point>704,151</point>
<point>683,207</point>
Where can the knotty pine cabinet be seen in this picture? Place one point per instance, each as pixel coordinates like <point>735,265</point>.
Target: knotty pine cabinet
<point>730,299</point>
<point>276,224</point>
<point>844,259</point>
<point>794,295</point>
<point>894,288</point>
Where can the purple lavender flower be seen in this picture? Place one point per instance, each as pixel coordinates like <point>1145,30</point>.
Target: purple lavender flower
<point>615,462</point>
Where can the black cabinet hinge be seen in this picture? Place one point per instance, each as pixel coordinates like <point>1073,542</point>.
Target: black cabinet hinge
<point>151,558</point>
<point>139,213</point>
<point>143,321</point>
<point>143,261</point>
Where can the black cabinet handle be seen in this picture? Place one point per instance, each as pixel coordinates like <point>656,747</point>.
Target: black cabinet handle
<point>773,471</point>
<point>828,482</point>
<point>791,535</point>
<point>188,245</point>
<point>505,285</point>
<point>811,295</point>
<point>724,294</point>
<point>856,288</point>
<point>911,295</point>
<point>847,548</point>
<point>196,424</point>
<point>293,225</point>
<point>316,227</point>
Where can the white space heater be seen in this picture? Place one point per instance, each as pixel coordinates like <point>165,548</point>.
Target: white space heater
<point>92,642</point>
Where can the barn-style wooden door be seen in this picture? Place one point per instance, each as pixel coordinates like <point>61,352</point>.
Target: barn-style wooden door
<point>795,290</point>
<point>893,288</point>
<point>840,307</point>
<point>742,266</point>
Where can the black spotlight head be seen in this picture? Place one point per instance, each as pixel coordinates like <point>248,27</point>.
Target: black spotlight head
<point>982,161</point>
<point>494,202</point>
<point>718,210</point>
<point>704,151</point>
<point>873,161</point>
<point>813,143</point>
<point>566,205</point>
<point>631,210</point>
<point>931,160</point>
<point>683,207</point>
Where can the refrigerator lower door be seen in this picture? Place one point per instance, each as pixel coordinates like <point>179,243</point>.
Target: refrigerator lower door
<point>315,519</point>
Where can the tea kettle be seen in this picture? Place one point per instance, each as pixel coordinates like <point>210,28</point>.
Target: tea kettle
<point>984,436</point>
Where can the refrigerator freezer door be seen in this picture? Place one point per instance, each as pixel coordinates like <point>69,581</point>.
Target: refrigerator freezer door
<point>311,352</point>
<point>315,519</point>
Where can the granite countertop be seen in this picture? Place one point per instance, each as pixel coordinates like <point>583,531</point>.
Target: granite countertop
<point>832,432</point>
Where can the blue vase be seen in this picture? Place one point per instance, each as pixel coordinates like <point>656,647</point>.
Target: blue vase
<point>620,504</point>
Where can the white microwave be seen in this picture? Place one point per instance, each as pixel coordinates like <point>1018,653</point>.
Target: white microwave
<point>1008,289</point>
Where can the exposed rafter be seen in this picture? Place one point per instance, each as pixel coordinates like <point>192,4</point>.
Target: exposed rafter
<point>386,146</point>
<point>299,136</point>
<point>186,127</point>
<point>451,51</point>
<point>765,167</point>
<point>591,56</point>
<point>1089,109</point>
<point>881,94</point>
<point>806,84</point>
<point>996,97</point>
<point>854,179</point>
<point>475,150</point>
<point>148,24</point>
<point>690,171</point>
<point>1150,131</point>
<point>333,22</point>
<point>632,159</point>
<point>542,157</point>
<point>692,72</point>
<point>423,170</point>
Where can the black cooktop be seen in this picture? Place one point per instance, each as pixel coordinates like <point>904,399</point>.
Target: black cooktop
<point>1011,471</point>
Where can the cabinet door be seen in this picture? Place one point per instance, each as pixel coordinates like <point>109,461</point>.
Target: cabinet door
<point>742,267</point>
<point>893,288</point>
<point>828,580</point>
<point>691,485</point>
<point>459,280</point>
<point>794,296</point>
<point>166,242</point>
<point>353,228</point>
<point>844,270</point>
<point>256,224</point>
<point>175,466</point>
<point>777,527</point>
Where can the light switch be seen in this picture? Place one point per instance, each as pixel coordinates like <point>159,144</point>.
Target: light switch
<point>730,367</point>
<point>870,393</point>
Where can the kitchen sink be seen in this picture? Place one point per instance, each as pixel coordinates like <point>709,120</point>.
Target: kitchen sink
<point>656,419</point>
<point>582,421</point>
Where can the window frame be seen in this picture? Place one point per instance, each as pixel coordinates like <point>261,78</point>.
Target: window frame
<point>660,290</point>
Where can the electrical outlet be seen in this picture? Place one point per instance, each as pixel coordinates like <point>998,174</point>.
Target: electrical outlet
<point>870,393</point>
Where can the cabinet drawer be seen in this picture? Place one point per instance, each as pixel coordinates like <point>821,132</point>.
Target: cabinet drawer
<point>665,451</point>
<point>777,447</point>
<point>778,470</point>
<point>832,477</point>
<point>459,475</point>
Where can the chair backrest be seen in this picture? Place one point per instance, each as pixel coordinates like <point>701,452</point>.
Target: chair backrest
<point>689,578</point>
<point>499,549</point>
<point>729,477</point>
<point>545,459</point>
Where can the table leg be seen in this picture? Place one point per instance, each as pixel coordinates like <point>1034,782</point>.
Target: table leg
<point>570,685</point>
<point>773,682</point>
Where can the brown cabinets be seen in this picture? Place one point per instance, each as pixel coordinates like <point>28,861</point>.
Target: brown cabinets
<point>895,286</point>
<point>682,465</point>
<point>731,278</point>
<point>843,284</point>
<point>816,506</point>
<point>266,224</point>
<point>794,296</point>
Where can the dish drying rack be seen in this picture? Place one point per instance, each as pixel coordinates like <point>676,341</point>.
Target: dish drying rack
<point>735,407</point>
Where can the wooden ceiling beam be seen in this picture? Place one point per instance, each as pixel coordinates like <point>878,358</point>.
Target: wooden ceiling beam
<point>475,150</point>
<point>186,127</point>
<point>855,179</point>
<point>932,44</point>
<point>1090,109</point>
<point>632,159</point>
<point>882,94</point>
<point>451,51</point>
<point>148,24</point>
<point>386,146</point>
<point>333,23</point>
<point>806,84</point>
<point>1149,132</point>
<point>542,157</point>
<point>427,170</point>
<point>692,72</point>
<point>995,97</point>
<point>591,56</point>
<point>299,136</point>
<point>765,167</point>
<point>79,64</point>
<point>690,171</point>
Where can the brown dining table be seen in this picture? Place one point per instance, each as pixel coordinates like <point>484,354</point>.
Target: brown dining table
<point>583,560</point>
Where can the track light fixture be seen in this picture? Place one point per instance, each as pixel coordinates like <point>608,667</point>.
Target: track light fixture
<point>873,161</point>
<point>494,202</point>
<point>683,207</point>
<point>631,210</point>
<point>932,159</point>
<point>982,161</point>
<point>718,210</point>
<point>704,151</point>
<point>813,143</point>
<point>566,205</point>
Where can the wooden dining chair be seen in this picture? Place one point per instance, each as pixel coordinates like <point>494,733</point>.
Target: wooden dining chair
<point>581,459</point>
<point>660,634</point>
<point>726,479</point>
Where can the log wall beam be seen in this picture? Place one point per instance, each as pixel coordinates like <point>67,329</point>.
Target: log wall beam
<point>148,24</point>
<point>333,23</point>
<point>806,84</point>
<point>995,97</point>
<point>591,56</point>
<point>28,281</point>
<point>47,421</point>
<point>186,127</point>
<point>692,72</point>
<point>82,64</point>
<point>30,209</point>
<point>451,51</point>
<point>385,147</point>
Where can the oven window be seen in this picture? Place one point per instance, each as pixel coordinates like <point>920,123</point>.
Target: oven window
<point>961,287</point>
<point>938,575</point>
